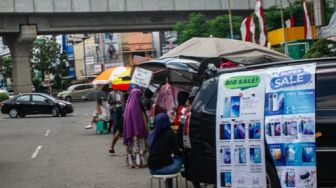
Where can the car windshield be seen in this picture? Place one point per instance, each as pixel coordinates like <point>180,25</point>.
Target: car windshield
<point>70,88</point>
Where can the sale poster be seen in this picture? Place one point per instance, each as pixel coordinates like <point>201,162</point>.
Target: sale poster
<point>278,103</point>
<point>290,123</point>
<point>240,130</point>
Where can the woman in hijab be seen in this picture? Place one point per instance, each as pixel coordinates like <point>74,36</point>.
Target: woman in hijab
<point>135,130</point>
<point>163,144</point>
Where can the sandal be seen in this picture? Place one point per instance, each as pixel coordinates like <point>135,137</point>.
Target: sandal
<point>130,166</point>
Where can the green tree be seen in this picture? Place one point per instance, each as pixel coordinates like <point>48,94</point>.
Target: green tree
<point>48,58</point>
<point>57,83</point>
<point>220,26</point>
<point>272,19</point>
<point>322,48</point>
<point>198,26</point>
<point>6,66</point>
<point>295,9</point>
<point>273,15</point>
<point>3,96</point>
<point>36,83</point>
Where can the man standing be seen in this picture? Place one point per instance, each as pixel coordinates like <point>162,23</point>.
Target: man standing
<point>116,100</point>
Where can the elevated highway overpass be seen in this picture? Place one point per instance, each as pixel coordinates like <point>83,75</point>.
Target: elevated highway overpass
<point>22,20</point>
<point>61,16</point>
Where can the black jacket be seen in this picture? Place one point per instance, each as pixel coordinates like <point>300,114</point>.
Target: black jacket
<point>167,145</point>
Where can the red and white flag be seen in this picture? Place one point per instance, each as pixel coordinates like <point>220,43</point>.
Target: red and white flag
<point>260,14</point>
<point>252,30</point>
<point>307,28</point>
<point>245,29</point>
<point>290,22</point>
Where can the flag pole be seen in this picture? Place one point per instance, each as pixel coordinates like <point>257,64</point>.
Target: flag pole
<point>230,19</point>
<point>282,23</point>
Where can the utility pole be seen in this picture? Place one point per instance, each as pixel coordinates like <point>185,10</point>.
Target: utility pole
<point>84,53</point>
<point>282,22</point>
<point>101,47</point>
<point>230,19</point>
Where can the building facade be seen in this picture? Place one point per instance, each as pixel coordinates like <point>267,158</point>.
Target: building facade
<point>137,47</point>
<point>90,54</point>
<point>98,51</point>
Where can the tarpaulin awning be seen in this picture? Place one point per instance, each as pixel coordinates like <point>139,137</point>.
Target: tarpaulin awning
<point>233,50</point>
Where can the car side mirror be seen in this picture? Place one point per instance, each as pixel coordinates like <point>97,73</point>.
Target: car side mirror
<point>46,100</point>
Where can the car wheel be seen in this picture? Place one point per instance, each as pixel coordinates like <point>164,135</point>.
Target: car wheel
<point>13,113</point>
<point>63,114</point>
<point>55,112</point>
<point>272,180</point>
<point>68,98</point>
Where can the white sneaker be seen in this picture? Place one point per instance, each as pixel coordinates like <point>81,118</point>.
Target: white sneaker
<point>88,127</point>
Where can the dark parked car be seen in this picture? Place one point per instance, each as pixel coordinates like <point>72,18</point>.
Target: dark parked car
<point>202,158</point>
<point>36,103</point>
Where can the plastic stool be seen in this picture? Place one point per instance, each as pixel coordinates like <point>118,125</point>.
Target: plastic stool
<point>182,171</point>
<point>102,127</point>
<point>164,178</point>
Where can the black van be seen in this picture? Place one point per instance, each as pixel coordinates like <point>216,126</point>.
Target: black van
<point>202,158</point>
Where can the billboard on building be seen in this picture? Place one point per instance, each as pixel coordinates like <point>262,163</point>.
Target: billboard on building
<point>108,49</point>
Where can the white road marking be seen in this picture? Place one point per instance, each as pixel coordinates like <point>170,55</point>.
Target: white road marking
<point>47,133</point>
<point>36,152</point>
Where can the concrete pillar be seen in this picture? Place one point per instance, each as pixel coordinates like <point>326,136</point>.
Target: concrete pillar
<point>20,47</point>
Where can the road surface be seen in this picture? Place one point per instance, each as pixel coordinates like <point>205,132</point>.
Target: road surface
<point>43,151</point>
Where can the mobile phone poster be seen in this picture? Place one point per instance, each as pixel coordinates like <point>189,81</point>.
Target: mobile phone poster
<point>239,130</point>
<point>290,123</point>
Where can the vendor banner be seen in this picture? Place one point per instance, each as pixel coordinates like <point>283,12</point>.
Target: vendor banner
<point>290,123</point>
<point>240,130</point>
